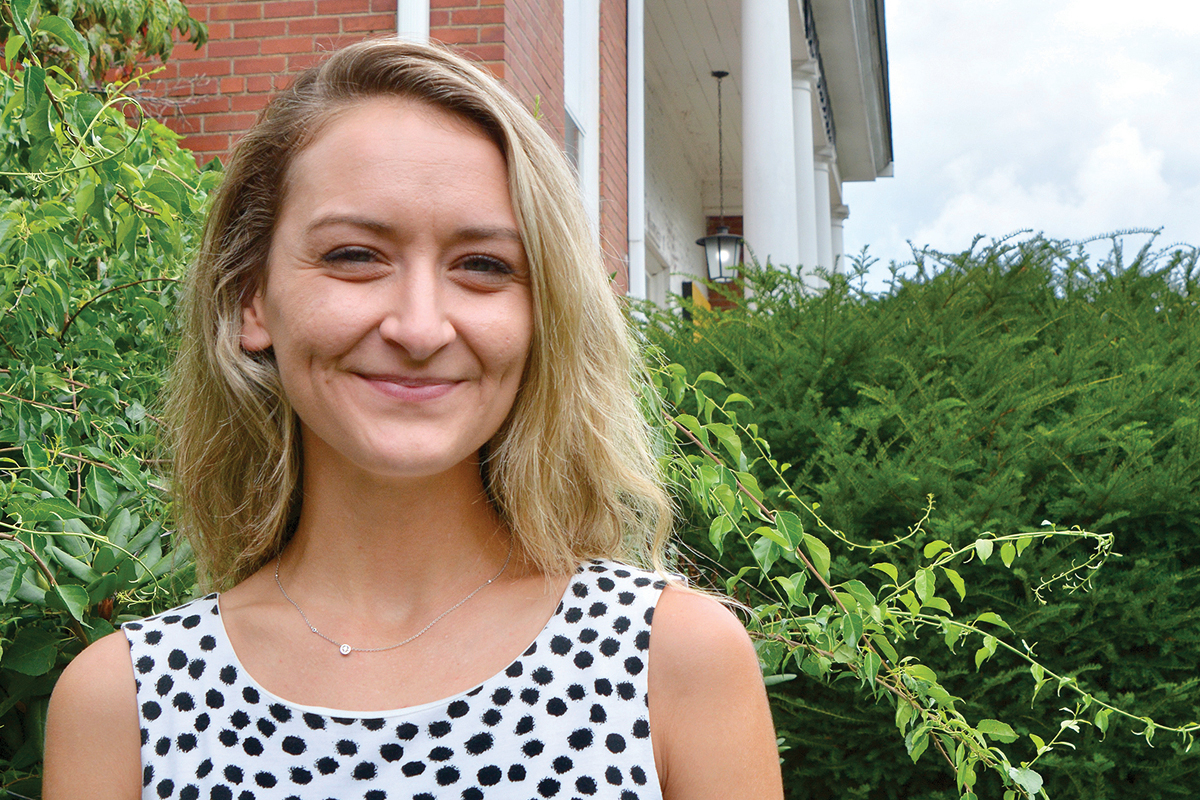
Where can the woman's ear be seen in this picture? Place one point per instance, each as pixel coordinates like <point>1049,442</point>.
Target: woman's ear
<point>255,335</point>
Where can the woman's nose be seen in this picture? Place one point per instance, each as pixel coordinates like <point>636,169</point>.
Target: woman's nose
<point>416,319</point>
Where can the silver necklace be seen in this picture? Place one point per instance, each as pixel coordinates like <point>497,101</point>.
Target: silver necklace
<point>346,649</point>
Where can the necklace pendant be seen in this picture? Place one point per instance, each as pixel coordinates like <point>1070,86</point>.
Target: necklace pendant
<point>345,649</point>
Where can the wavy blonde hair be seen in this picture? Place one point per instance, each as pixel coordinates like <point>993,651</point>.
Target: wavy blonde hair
<point>572,471</point>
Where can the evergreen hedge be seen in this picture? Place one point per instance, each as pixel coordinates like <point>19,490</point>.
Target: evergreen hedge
<point>1017,384</point>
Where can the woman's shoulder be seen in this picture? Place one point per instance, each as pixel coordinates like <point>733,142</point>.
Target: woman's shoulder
<point>92,725</point>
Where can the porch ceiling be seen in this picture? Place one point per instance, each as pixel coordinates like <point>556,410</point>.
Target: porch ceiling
<point>685,41</point>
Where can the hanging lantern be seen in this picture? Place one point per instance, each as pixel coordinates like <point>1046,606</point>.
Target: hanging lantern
<point>722,250</point>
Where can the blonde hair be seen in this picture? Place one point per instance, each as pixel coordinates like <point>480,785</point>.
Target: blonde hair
<point>572,471</point>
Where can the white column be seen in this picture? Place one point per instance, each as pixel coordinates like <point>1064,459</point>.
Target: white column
<point>768,143</point>
<point>804,81</point>
<point>824,158</point>
<point>412,20</point>
<point>840,213</point>
<point>635,119</point>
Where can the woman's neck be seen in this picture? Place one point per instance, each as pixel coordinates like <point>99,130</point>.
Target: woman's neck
<point>398,547</point>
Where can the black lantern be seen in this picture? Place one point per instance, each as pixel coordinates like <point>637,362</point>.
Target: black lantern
<point>722,250</point>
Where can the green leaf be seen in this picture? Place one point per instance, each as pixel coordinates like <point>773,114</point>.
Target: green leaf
<point>1027,779</point>
<point>924,584</point>
<point>11,571</point>
<point>74,599</point>
<point>1008,553</point>
<point>935,547</point>
<point>819,554</point>
<point>889,570</point>
<point>1000,731</point>
<point>791,527</point>
<point>33,652</point>
<point>711,377</point>
<point>956,581</point>
<point>20,13</point>
<point>729,440</point>
<point>861,593</point>
<point>53,508</point>
<point>1102,719</point>
<point>11,47</point>
<point>992,617</point>
<point>983,547</point>
<point>916,742</point>
<point>35,92</point>
<point>904,713</point>
<point>65,32</point>
<point>717,530</point>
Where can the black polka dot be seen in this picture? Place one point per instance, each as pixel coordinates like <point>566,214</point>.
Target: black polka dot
<point>641,728</point>
<point>202,722</point>
<point>407,731</point>
<point>576,692</point>
<point>151,710</point>
<point>208,644</point>
<point>585,785</point>
<point>560,645</point>
<point>413,768</point>
<point>214,699</point>
<point>597,713</point>
<point>597,609</point>
<point>186,742</point>
<point>239,719</point>
<point>589,635</point>
<point>233,774</point>
<point>250,695</point>
<point>580,739</point>
<point>489,776</point>
<point>164,685</point>
<point>162,746</point>
<point>459,708</point>
<point>603,687</point>
<point>556,707</point>
<point>473,793</point>
<point>501,696</point>
<point>144,664</point>
<point>633,665</point>
<point>227,737</point>
<point>514,670</point>
<point>374,724</point>
<point>542,676</point>
<point>327,765</point>
<point>265,779</point>
<point>177,660</point>
<point>265,727</point>
<point>363,771</point>
<point>294,745</point>
<point>314,721</point>
<point>626,690</point>
<point>440,728</point>
<point>220,792</point>
<point>479,743</point>
<point>189,792</point>
<point>529,696</point>
<point>613,776</point>
<point>638,775</point>
<point>373,794</point>
<point>524,725</point>
<point>196,668</point>
<point>345,747</point>
<point>533,747</point>
<point>584,659</point>
<point>548,787</point>
<point>391,752</point>
<point>615,743</point>
<point>573,615</point>
<point>516,773</point>
<point>491,717</point>
<point>562,764</point>
<point>441,754</point>
<point>446,776</point>
<point>183,701</point>
<point>300,775</point>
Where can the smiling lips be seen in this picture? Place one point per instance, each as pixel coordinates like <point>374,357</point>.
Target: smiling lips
<point>411,389</point>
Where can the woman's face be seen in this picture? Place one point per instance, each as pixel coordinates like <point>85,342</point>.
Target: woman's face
<point>396,296</point>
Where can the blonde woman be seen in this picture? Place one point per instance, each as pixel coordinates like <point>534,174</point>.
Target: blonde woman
<point>410,458</point>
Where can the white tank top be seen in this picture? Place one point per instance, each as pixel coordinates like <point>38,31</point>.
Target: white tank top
<point>567,719</point>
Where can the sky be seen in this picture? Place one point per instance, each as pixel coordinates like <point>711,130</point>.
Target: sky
<point>1072,117</point>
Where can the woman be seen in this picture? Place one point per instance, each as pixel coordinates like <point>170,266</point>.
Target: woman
<point>410,453</point>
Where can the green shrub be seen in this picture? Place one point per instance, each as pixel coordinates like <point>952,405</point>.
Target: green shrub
<point>1013,383</point>
<point>97,219</point>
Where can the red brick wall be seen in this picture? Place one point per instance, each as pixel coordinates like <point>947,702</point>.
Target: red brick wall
<point>213,93</point>
<point>614,170</point>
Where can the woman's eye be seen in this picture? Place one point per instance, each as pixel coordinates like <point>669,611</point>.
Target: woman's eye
<point>485,264</point>
<point>360,255</point>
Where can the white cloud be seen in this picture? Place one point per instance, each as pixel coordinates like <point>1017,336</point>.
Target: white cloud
<point>1075,117</point>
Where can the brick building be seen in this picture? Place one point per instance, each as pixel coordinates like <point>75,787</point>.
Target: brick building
<point>625,85</point>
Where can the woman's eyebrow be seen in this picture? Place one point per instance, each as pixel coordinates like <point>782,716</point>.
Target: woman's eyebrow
<point>472,233</point>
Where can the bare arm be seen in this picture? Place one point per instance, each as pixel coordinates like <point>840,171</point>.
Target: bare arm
<point>92,736</point>
<point>709,719</point>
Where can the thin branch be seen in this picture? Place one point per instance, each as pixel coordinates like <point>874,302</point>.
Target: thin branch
<point>91,300</point>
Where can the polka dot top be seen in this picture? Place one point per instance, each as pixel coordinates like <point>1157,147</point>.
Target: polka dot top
<point>567,719</point>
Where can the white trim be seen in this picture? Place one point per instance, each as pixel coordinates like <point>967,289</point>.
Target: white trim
<point>412,20</point>
<point>635,138</point>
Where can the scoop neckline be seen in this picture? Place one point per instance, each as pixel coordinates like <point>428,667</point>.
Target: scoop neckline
<point>339,713</point>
